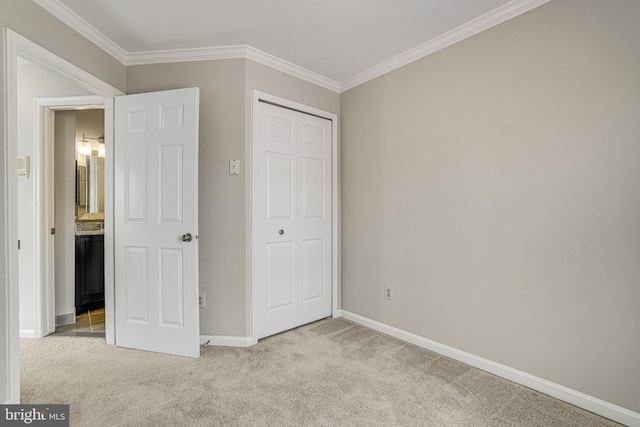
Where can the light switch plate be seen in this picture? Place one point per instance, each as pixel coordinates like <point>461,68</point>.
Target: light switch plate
<point>23,167</point>
<point>234,167</point>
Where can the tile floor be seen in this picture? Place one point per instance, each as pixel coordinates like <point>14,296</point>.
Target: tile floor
<point>89,324</point>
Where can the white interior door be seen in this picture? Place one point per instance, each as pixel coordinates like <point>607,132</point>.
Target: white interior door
<point>156,222</point>
<point>292,222</point>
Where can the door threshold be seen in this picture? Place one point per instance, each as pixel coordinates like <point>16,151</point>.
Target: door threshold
<point>77,334</point>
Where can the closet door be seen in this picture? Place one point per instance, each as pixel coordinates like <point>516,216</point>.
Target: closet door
<point>292,224</point>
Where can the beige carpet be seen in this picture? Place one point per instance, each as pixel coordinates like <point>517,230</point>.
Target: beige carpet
<point>330,373</point>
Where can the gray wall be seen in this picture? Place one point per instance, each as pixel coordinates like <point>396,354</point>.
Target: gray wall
<point>221,196</point>
<point>494,184</point>
<point>225,131</point>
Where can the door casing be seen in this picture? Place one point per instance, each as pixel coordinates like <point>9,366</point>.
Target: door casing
<point>43,171</point>
<point>17,45</point>
<point>259,96</point>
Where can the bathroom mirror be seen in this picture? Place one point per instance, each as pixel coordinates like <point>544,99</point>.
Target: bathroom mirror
<point>90,189</point>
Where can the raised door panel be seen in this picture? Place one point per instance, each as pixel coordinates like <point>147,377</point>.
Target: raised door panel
<point>136,184</point>
<point>280,275</point>
<point>313,187</point>
<point>313,267</point>
<point>279,130</point>
<point>170,185</point>
<point>136,284</point>
<point>171,277</point>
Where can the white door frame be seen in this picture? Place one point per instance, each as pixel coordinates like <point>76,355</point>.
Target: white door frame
<point>44,190</point>
<point>17,45</point>
<point>335,208</point>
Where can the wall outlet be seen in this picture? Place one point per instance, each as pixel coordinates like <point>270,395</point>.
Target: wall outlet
<point>202,300</point>
<point>388,293</point>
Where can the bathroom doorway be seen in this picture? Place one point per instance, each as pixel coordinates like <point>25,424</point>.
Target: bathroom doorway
<point>79,159</point>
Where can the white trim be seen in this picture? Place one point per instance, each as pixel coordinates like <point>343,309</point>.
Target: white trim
<point>42,250</point>
<point>69,17</point>
<point>224,341</point>
<point>231,52</point>
<point>71,102</point>
<point>11,371</point>
<point>43,174</point>
<point>291,69</point>
<point>109,230</point>
<point>574,397</point>
<point>335,209</point>
<point>186,55</point>
<point>475,26</point>
<point>28,333</point>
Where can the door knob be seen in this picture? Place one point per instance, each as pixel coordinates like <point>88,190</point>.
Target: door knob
<point>281,232</point>
<point>187,237</point>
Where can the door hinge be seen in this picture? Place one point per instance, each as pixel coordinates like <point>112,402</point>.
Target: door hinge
<point>53,231</point>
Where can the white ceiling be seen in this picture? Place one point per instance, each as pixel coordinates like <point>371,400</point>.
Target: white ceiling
<point>335,39</point>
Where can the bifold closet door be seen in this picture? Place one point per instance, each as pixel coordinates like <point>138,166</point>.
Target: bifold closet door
<point>292,228</point>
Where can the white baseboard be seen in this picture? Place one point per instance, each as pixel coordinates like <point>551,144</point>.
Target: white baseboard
<point>27,333</point>
<point>574,397</point>
<point>222,341</point>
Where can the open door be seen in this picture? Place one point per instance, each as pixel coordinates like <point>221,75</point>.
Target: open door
<point>156,222</point>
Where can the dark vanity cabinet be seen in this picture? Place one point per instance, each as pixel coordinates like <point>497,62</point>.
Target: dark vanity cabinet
<point>89,272</point>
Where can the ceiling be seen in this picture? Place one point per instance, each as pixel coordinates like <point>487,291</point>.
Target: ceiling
<point>334,40</point>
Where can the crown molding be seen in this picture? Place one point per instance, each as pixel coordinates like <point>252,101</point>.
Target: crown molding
<point>69,17</point>
<point>475,26</point>
<point>292,69</point>
<point>484,22</point>
<point>186,55</point>
<point>231,52</point>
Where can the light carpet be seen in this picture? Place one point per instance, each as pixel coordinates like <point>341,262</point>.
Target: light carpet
<point>329,373</point>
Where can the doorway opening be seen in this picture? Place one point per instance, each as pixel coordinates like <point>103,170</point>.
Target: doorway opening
<point>79,222</point>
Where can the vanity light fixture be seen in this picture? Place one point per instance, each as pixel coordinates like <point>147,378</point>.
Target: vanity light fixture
<point>84,145</point>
